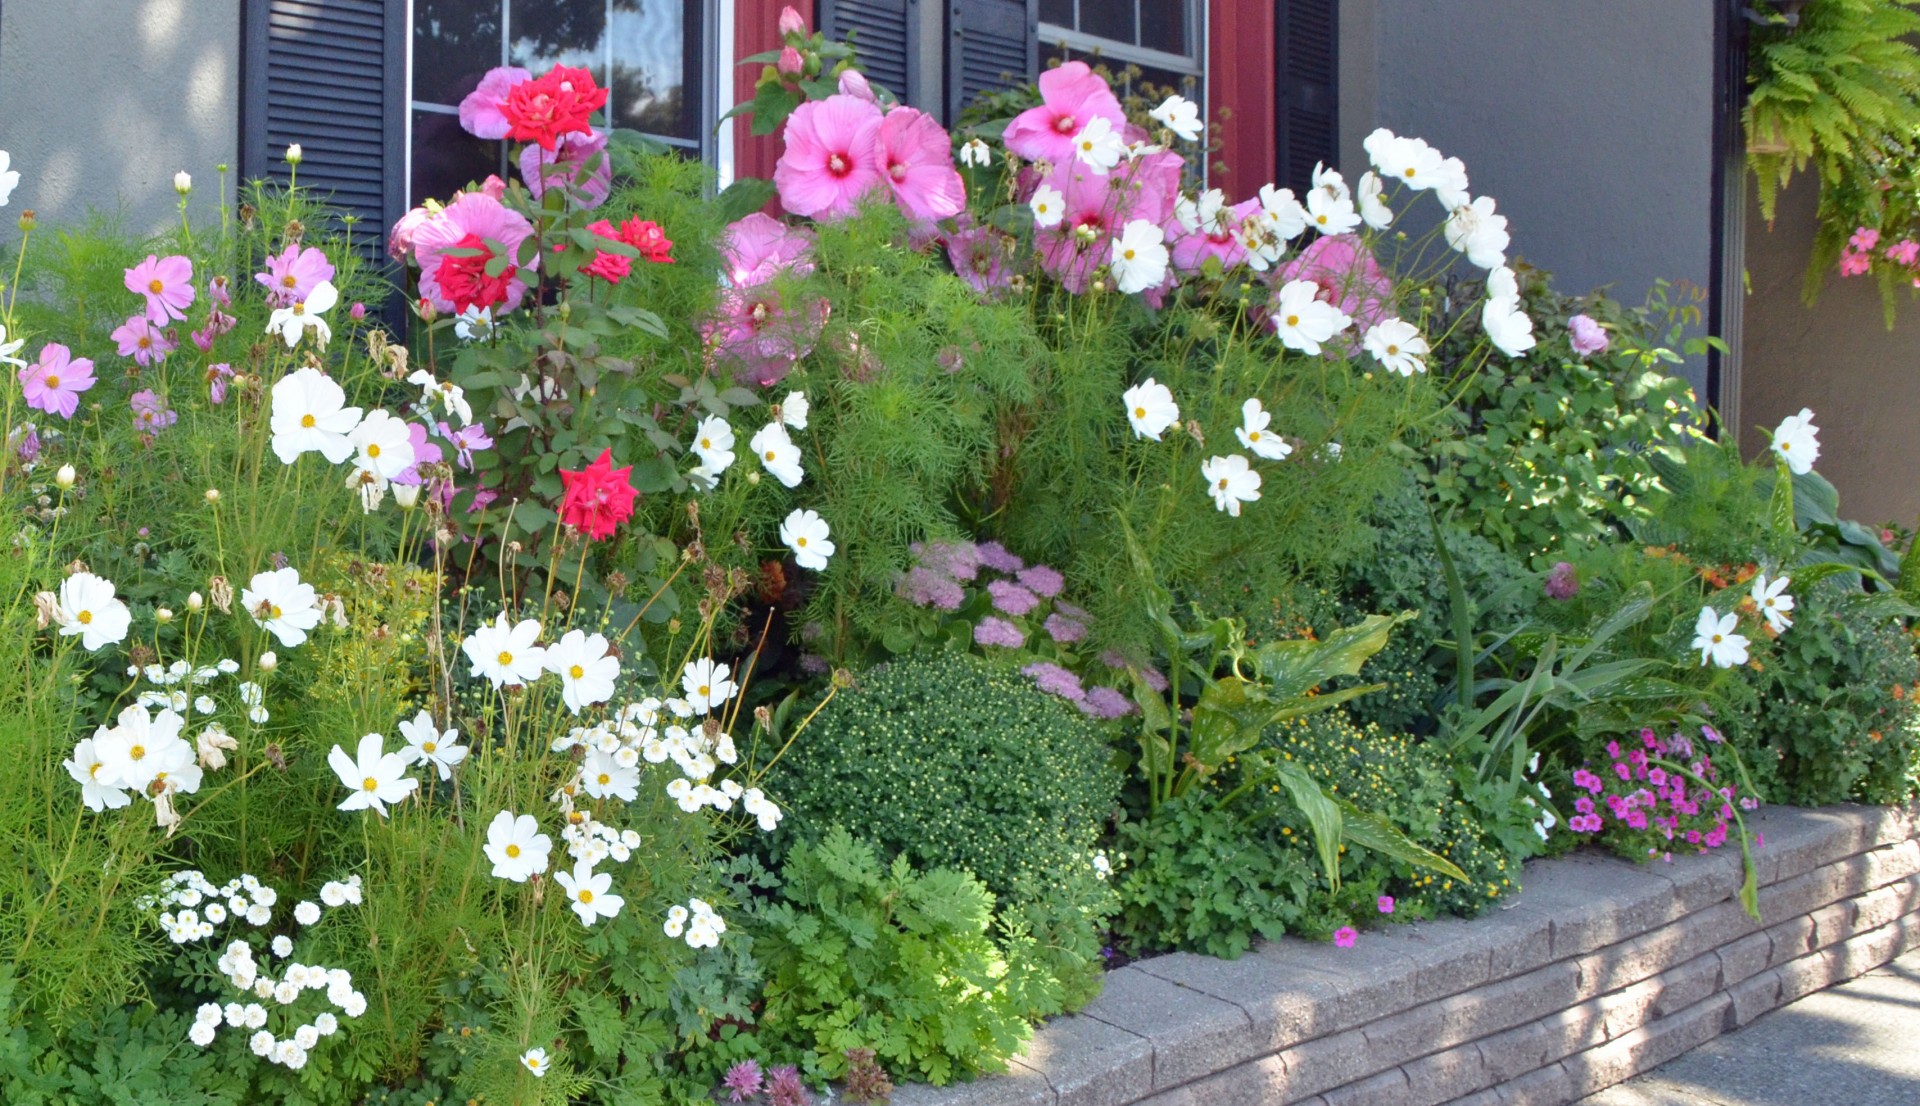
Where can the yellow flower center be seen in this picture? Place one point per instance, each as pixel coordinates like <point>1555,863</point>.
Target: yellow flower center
<point>429,746</point>
<point>373,449</point>
<point>800,542</point>
<point>1127,255</point>
<point>585,895</point>
<point>1139,412</point>
<point>52,381</point>
<point>534,1061</point>
<point>273,610</point>
<point>1391,350</point>
<point>156,286</point>
<point>705,691</point>
<point>1716,639</point>
<point>1293,320</point>
<point>307,422</point>
<point>93,771</point>
<point>1223,483</point>
<point>85,617</point>
<point>289,281</point>
<point>1321,219</point>
<point>1253,435</point>
<point>300,308</point>
<point>369,784</point>
<point>576,671</point>
<point>771,454</point>
<point>1409,172</point>
<point>505,657</point>
<point>605,779</point>
<point>706,443</point>
<point>513,852</point>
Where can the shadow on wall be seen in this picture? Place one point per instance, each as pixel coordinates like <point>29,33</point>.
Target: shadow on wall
<point>107,99</point>
<point>1837,357</point>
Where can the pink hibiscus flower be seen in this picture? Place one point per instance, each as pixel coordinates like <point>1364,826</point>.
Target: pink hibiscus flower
<point>565,166</point>
<point>1350,279</point>
<point>1096,207</point>
<point>293,275</point>
<point>53,383</point>
<point>916,158</point>
<point>167,283</point>
<point>758,248</point>
<point>147,344</point>
<point>980,258</point>
<point>1211,236</point>
<point>760,337</point>
<point>482,112</point>
<point>832,157</point>
<point>458,282</point>
<point>1072,96</point>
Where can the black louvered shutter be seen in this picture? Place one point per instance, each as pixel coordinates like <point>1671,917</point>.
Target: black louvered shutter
<point>885,36</point>
<point>991,44</point>
<point>331,76</point>
<point>1308,91</point>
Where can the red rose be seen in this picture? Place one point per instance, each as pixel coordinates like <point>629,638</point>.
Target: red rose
<point>598,498</point>
<point>561,102</point>
<point>465,280</point>
<point>647,237</point>
<point>610,267</point>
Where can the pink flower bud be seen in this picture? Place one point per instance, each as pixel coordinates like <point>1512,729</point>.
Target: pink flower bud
<point>791,25</point>
<point>854,85</point>
<point>791,64</point>
<point>358,311</point>
<point>494,186</point>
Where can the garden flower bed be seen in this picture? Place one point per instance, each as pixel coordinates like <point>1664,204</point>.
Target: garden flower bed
<point>712,653</point>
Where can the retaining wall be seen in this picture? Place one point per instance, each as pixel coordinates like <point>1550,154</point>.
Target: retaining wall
<point>1598,970</point>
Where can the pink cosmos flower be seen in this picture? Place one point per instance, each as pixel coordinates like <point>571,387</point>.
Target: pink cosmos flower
<point>218,378</point>
<point>481,113</point>
<point>1072,95</point>
<point>916,159</point>
<point>758,248</point>
<point>151,413</point>
<point>293,274</point>
<point>566,167</point>
<point>53,383</point>
<point>454,284</point>
<point>1096,207</point>
<point>425,452</point>
<point>139,339</point>
<point>167,283</point>
<point>1350,279</point>
<point>1345,937</point>
<point>831,158</point>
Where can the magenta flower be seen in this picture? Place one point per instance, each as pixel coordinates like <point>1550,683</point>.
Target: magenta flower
<point>1386,904</point>
<point>218,323</point>
<point>293,274</point>
<point>916,159</point>
<point>998,631</point>
<point>1071,95</point>
<point>218,377</point>
<point>147,344</point>
<point>482,111</point>
<point>1563,581</point>
<point>1011,598</point>
<point>743,1081</point>
<point>1096,207</point>
<point>1864,239</point>
<point>167,284</point>
<point>465,441</point>
<point>1345,937</point>
<point>785,1089</point>
<point>1350,279</point>
<point>832,157</point>
<point>1587,336</point>
<point>53,383</point>
<point>25,440</point>
<point>1055,680</point>
<point>150,413</point>
<point>470,222</point>
<point>758,248</point>
<point>1106,704</point>
<point>566,167</point>
<point>1904,252</point>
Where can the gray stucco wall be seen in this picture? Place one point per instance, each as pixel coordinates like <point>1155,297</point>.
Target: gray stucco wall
<point>1590,122</point>
<point>102,101</point>
<point>1837,357</point>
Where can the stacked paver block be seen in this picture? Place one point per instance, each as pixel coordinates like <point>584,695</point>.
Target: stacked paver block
<point>1598,970</point>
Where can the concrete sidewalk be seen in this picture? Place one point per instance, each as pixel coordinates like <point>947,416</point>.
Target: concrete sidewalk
<point>1857,1043</point>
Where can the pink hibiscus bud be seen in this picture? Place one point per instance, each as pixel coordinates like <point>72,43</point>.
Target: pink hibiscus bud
<point>494,186</point>
<point>792,26</point>
<point>358,311</point>
<point>853,84</point>
<point>791,64</point>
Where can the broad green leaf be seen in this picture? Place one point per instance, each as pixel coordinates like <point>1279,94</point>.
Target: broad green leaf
<point>1323,815</point>
<point>1373,831</point>
<point>1294,667</point>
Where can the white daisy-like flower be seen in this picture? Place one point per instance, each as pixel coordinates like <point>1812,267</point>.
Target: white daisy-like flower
<point>1179,115</point>
<point>1373,209</point>
<point>1714,636</point>
<point>1303,320</point>
<point>295,319</point>
<point>535,1061</point>
<point>516,846</point>
<point>713,442</point>
<point>586,666</point>
<point>1231,482</point>
<point>974,152</point>
<point>1253,433</point>
<point>281,604</point>
<point>428,744</point>
<point>87,607</point>
<point>506,654</point>
<point>1048,206</point>
<point>1139,257</point>
<point>1796,441</point>
<point>602,776</point>
<point>589,893</point>
<point>310,415</point>
<point>707,684</point>
<point>374,777</point>
<point>1774,602</point>
<point>1150,408</point>
<point>306,913</point>
<point>794,410</point>
<point>776,452</point>
<point>382,445</point>
<point>1099,145</point>
<point>1397,345</point>
<point>806,533</point>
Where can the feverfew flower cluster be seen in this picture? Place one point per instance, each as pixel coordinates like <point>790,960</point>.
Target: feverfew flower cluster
<point>1659,807</point>
<point>701,926</point>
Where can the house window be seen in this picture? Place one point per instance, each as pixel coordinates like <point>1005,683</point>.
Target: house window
<point>651,56</point>
<point>1162,38</point>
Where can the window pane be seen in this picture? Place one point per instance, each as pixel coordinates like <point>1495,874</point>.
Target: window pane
<point>656,70</point>
<point>1163,25</point>
<point>546,33</point>
<point>1108,19</point>
<point>1057,12</point>
<point>446,158</point>
<point>455,42</point>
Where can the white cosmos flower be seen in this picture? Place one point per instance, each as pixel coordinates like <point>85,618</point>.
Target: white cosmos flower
<point>517,847</point>
<point>446,393</point>
<point>1451,189</point>
<point>588,892</point>
<point>294,320</point>
<point>1796,441</point>
<point>776,452</point>
<point>806,533</point>
<point>475,322</point>
<point>1397,345</point>
<point>1285,216</point>
<point>1507,326</point>
<point>1329,204</point>
<point>310,415</point>
<point>374,777</point>
<point>1253,433</point>
<point>587,669</point>
<point>713,440</point>
<point>90,772</point>
<point>1231,482</point>
<point>1714,636</point>
<point>1409,162</point>
<point>604,777</point>
<point>383,444</point>
<point>1303,320</point>
<point>535,1061</point>
<point>1179,115</point>
<point>88,607</point>
<point>794,410</point>
<point>428,744</point>
<point>9,180</point>
<point>1150,408</point>
<point>1139,256</point>
<point>1048,205</point>
<point>140,748</point>
<point>1479,232</point>
<point>1203,214</point>
<point>707,684</point>
<point>1373,209</point>
<point>975,152</point>
<point>10,351</point>
<point>1774,602</point>
<point>506,654</point>
<point>281,604</point>
<point>1099,146</point>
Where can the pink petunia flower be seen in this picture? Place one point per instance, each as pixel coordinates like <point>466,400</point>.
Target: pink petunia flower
<point>481,112</point>
<point>293,274</point>
<point>916,160</point>
<point>167,284</point>
<point>147,344</point>
<point>456,283</point>
<point>1385,904</point>
<point>1345,937</point>
<point>832,157</point>
<point>566,167</point>
<point>1071,95</point>
<point>53,383</point>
